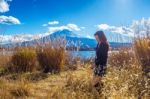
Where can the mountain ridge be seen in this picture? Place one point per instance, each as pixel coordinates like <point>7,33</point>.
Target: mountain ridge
<point>74,41</point>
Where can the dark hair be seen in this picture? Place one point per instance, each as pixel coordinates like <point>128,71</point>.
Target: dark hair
<point>101,36</point>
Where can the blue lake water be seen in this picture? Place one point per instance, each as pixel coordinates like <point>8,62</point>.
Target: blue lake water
<point>83,54</point>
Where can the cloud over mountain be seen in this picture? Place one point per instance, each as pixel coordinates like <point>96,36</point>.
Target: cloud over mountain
<point>71,27</point>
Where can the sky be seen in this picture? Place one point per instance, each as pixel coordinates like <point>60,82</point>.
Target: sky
<point>84,17</point>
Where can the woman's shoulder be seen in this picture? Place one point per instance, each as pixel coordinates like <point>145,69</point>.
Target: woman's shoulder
<point>104,44</point>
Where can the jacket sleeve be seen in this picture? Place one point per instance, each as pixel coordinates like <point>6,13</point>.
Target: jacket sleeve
<point>101,55</point>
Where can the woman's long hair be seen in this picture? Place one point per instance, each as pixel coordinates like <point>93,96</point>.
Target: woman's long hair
<point>101,36</point>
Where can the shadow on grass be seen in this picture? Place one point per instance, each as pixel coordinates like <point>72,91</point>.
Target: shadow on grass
<point>35,76</point>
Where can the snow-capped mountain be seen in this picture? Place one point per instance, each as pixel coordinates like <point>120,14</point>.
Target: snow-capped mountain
<point>64,33</point>
<point>73,40</point>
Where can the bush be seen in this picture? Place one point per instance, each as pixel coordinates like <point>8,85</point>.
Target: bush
<point>142,50</point>
<point>121,58</point>
<point>51,59</point>
<point>4,60</point>
<point>24,60</point>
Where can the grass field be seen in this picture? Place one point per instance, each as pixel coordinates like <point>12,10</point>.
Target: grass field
<point>128,82</point>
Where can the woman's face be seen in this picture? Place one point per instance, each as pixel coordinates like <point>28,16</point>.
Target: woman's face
<point>97,38</point>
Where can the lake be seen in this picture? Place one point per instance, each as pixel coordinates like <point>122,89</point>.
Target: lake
<point>88,54</point>
<point>83,54</point>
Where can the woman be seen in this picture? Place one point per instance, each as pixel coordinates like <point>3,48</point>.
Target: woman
<point>101,57</point>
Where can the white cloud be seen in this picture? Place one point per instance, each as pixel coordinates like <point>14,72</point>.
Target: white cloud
<point>54,29</point>
<point>138,27</point>
<point>4,6</point>
<point>71,27</point>
<point>14,38</point>
<point>20,38</point>
<point>103,26</point>
<point>53,22</point>
<point>120,29</point>
<point>9,20</point>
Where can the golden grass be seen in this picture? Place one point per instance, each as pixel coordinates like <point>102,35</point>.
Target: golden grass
<point>122,58</point>
<point>118,84</point>
<point>23,60</point>
<point>4,60</point>
<point>14,89</point>
<point>128,82</point>
<point>22,89</point>
<point>51,59</point>
<point>142,50</point>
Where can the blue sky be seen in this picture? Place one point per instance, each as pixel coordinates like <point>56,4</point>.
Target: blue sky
<point>81,16</point>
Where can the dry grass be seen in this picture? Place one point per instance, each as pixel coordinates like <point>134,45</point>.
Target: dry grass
<point>14,89</point>
<point>4,60</point>
<point>122,58</point>
<point>22,89</point>
<point>142,50</point>
<point>23,60</point>
<point>128,82</point>
<point>51,59</point>
<point>118,84</point>
<point>70,62</point>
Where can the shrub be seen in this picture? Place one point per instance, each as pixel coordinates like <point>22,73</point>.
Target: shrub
<point>142,44</point>
<point>4,60</point>
<point>121,58</point>
<point>24,60</point>
<point>142,50</point>
<point>51,59</point>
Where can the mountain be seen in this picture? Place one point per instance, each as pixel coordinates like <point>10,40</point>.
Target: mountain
<point>74,41</point>
<point>64,33</point>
